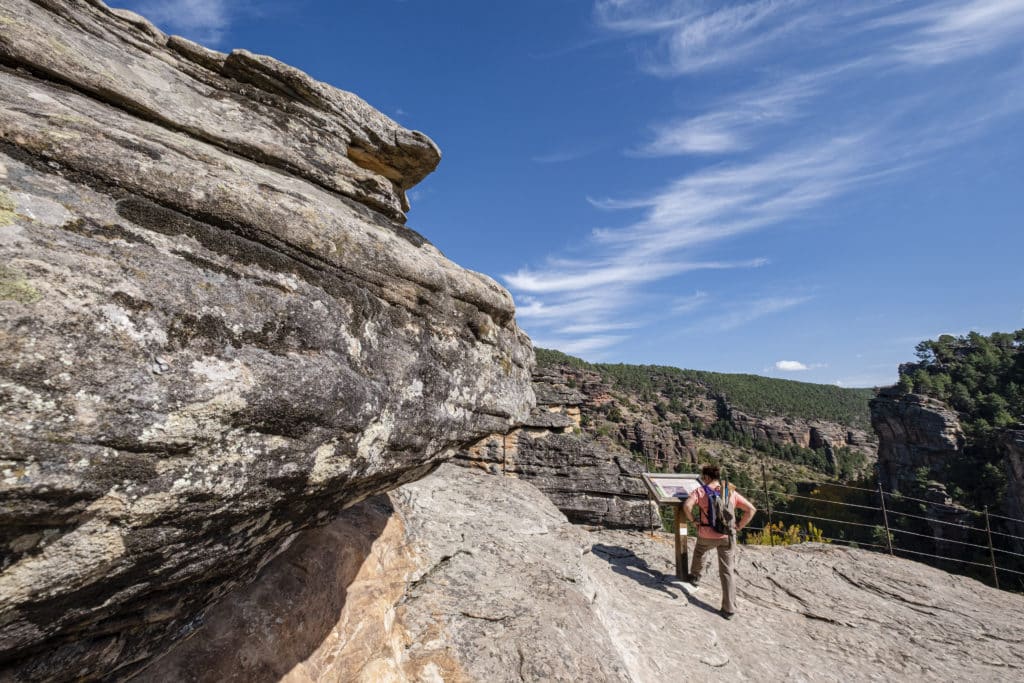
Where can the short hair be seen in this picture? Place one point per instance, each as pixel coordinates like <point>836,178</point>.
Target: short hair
<point>711,471</point>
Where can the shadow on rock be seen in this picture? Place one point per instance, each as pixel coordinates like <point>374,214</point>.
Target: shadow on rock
<point>624,561</point>
<point>287,618</point>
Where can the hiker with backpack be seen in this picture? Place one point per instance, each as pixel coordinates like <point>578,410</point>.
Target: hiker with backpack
<point>717,503</point>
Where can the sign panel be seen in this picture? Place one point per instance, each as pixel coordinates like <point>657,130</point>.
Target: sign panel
<point>670,489</point>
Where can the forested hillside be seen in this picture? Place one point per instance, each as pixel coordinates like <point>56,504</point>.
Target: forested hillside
<point>751,393</point>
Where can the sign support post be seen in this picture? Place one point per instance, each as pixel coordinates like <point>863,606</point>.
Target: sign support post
<point>682,549</point>
<point>673,490</point>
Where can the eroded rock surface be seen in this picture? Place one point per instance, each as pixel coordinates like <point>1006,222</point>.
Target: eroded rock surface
<point>215,330</point>
<point>505,589</point>
<point>592,481</point>
<point>914,432</point>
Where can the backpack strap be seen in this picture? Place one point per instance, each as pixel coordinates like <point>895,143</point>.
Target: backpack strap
<point>710,494</point>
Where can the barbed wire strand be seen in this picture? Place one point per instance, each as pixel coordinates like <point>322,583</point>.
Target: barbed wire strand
<point>828,500</point>
<point>1012,519</point>
<point>897,495</point>
<point>823,519</point>
<point>902,496</point>
<point>845,486</point>
<point>1008,552</point>
<point>943,540</point>
<point>937,521</point>
<point>760,494</point>
<point>957,559</point>
<point>1000,533</point>
<point>941,557</point>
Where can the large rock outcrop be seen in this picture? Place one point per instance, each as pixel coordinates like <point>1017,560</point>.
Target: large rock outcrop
<point>914,432</point>
<point>490,583</point>
<point>215,329</point>
<point>591,481</point>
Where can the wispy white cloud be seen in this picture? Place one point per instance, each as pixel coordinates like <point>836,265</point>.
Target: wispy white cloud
<point>669,232</point>
<point>791,366</point>
<point>689,304</point>
<point>579,345</point>
<point>732,125</point>
<point>204,21</point>
<point>745,312</point>
<point>696,35</point>
<point>629,269</point>
<point>950,31</point>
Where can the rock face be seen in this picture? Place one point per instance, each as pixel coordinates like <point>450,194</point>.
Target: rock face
<point>914,432</point>
<point>215,329</point>
<point>505,589</point>
<point>324,609</point>
<point>803,433</point>
<point>590,481</point>
<point>1013,464</point>
<point>660,445</point>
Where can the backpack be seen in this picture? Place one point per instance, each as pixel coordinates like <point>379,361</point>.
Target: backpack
<point>721,515</point>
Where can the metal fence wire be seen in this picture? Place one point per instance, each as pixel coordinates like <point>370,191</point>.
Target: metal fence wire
<point>886,510</point>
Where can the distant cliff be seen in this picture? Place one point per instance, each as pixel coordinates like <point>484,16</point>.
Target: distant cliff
<point>215,329</point>
<point>949,434</point>
<point>671,419</point>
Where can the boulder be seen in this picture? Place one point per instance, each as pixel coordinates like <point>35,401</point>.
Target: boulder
<point>216,330</point>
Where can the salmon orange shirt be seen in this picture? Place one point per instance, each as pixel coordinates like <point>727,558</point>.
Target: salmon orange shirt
<point>702,501</point>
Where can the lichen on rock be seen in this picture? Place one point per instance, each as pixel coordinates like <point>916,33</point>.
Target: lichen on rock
<point>215,330</point>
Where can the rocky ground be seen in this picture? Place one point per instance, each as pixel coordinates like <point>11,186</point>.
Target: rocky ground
<point>489,582</point>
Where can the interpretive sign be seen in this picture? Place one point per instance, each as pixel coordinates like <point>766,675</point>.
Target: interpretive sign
<point>674,489</point>
<point>670,489</point>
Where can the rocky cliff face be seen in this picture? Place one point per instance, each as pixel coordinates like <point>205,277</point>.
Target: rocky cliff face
<point>914,432</point>
<point>488,582</point>
<point>215,329</point>
<point>1013,465</point>
<point>668,434</point>
<point>590,481</point>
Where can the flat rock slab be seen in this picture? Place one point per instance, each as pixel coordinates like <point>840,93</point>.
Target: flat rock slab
<point>493,584</point>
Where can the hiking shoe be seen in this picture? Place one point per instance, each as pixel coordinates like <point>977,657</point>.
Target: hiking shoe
<point>692,580</point>
<point>726,615</point>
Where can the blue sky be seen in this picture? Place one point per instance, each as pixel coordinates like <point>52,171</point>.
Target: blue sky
<point>784,187</point>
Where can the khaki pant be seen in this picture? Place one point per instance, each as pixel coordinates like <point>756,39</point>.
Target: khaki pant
<point>726,556</point>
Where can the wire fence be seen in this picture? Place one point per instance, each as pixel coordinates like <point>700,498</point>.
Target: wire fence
<point>889,520</point>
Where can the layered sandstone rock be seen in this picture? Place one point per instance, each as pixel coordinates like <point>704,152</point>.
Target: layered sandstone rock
<point>591,481</point>
<point>828,436</point>
<point>914,432</point>
<point>503,588</point>
<point>215,329</point>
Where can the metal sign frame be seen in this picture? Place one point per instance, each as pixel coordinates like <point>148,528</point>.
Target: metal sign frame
<point>664,490</point>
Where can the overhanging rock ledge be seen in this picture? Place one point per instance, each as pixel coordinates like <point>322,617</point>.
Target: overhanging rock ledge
<point>215,329</point>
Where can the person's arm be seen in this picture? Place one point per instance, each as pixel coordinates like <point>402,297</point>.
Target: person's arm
<point>691,500</point>
<point>748,511</point>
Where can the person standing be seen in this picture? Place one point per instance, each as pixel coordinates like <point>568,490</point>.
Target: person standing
<point>724,539</point>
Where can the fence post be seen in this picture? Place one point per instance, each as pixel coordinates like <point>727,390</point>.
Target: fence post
<point>991,551</point>
<point>767,501</point>
<point>885,518</point>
